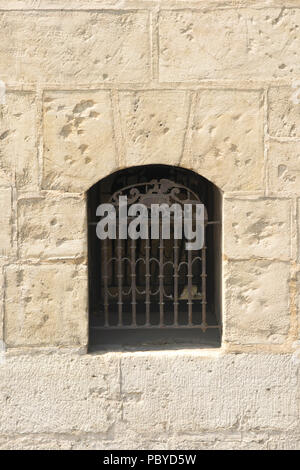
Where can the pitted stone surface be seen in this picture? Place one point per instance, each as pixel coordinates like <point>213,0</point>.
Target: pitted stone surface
<point>284,111</point>
<point>284,168</point>
<point>45,305</point>
<point>18,147</point>
<point>74,47</point>
<point>256,302</point>
<point>95,86</point>
<point>257,228</point>
<point>153,125</point>
<point>79,146</point>
<point>5,222</point>
<point>229,44</point>
<point>52,226</point>
<point>232,160</point>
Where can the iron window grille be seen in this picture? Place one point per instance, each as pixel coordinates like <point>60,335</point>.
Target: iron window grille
<point>151,284</point>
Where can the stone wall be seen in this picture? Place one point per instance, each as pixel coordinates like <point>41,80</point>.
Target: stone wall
<point>96,86</point>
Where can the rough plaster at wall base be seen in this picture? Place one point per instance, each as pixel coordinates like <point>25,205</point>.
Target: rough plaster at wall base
<point>151,400</point>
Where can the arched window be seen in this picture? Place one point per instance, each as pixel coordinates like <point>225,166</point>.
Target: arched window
<point>152,290</point>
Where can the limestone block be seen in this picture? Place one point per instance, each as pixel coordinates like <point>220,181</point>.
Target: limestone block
<point>284,168</point>
<point>298,238</point>
<point>52,226</point>
<point>298,308</point>
<point>220,440</point>
<point>164,399</point>
<point>18,152</point>
<point>2,287</point>
<point>226,139</point>
<point>5,222</point>
<point>229,44</point>
<point>185,393</point>
<point>74,46</point>
<point>79,146</point>
<point>46,305</point>
<point>257,227</point>
<point>153,125</point>
<point>234,390</point>
<point>256,302</point>
<point>59,394</point>
<point>284,111</point>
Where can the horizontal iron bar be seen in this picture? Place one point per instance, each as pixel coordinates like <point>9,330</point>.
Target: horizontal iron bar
<point>160,327</point>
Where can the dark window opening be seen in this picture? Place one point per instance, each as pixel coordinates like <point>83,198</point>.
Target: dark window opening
<point>154,292</point>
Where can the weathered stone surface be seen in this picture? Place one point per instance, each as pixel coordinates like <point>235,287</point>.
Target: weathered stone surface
<point>153,125</point>
<point>52,226</point>
<point>256,302</point>
<point>74,47</point>
<point>2,287</point>
<point>257,227</point>
<point>226,139</point>
<point>5,222</point>
<point>284,111</point>
<point>221,392</point>
<point>298,237</point>
<point>46,305</point>
<point>240,440</point>
<point>131,400</point>
<point>284,168</point>
<point>298,308</point>
<point>18,151</point>
<point>229,44</point>
<point>111,99</point>
<point>216,440</point>
<point>59,393</point>
<point>78,140</point>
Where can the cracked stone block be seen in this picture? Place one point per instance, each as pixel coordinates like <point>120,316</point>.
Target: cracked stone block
<point>46,305</point>
<point>226,139</point>
<point>229,44</point>
<point>284,168</point>
<point>74,46</point>
<point>284,111</point>
<point>18,152</point>
<point>256,302</point>
<point>5,222</point>
<point>257,228</point>
<point>79,147</point>
<point>52,227</point>
<point>153,125</point>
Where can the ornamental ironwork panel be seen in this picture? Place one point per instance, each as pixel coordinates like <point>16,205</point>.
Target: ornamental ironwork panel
<point>154,283</point>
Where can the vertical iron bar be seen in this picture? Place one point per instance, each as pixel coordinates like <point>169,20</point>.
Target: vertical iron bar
<point>120,279</point>
<point>161,277</point>
<point>190,276</point>
<point>147,275</point>
<point>203,277</point>
<point>176,275</point>
<point>133,283</point>
<point>105,280</point>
